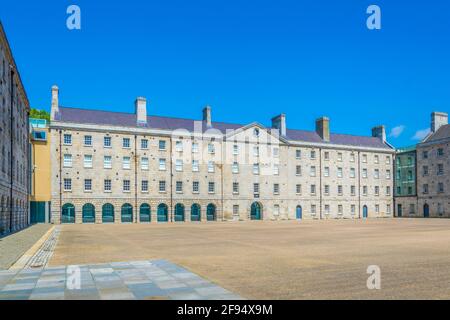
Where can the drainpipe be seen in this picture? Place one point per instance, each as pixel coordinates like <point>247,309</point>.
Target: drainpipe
<point>11,204</point>
<point>60,177</point>
<point>135,180</point>
<point>320,183</point>
<point>359,184</point>
<point>171,181</point>
<point>221,181</point>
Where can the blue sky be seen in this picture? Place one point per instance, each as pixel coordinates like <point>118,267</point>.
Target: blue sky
<point>249,60</point>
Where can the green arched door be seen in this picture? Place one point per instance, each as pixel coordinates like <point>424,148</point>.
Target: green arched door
<point>127,213</point>
<point>195,212</point>
<point>255,212</point>
<point>179,212</point>
<point>162,214</point>
<point>108,213</point>
<point>144,213</point>
<point>211,212</point>
<point>68,213</point>
<point>88,213</point>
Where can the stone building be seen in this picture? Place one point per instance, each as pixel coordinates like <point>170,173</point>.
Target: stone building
<point>131,167</point>
<point>405,190</point>
<point>14,143</point>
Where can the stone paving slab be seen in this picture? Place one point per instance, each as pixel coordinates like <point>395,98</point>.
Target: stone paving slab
<point>135,280</point>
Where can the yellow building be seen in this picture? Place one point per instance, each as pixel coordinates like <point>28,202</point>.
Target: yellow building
<point>40,182</point>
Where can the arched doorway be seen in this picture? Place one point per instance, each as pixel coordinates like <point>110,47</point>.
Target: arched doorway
<point>298,213</point>
<point>426,210</point>
<point>68,213</point>
<point>108,213</point>
<point>195,212</point>
<point>144,213</point>
<point>256,211</point>
<point>211,212</point>
<point>365,212</point>
<point>126,213</point>
<point>162,214</point>
<point>88,213</point>
<point>179,212</point>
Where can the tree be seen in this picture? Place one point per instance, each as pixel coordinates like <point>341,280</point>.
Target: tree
<point>39,114</point>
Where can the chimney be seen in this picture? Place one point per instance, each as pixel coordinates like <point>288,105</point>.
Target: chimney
<point>55,103</point>
<point>141,111</point>
<point>380,133</point>
<point>279,122</point>
<point>207,116</point>
<point>438,119</point>
<point>323,128</point>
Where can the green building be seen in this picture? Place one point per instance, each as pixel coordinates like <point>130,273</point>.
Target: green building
<point>405,172</point>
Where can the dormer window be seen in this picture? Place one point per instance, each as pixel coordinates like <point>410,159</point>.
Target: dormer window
<point>256,132</point>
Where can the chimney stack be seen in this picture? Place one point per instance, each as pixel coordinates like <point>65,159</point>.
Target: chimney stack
<point>207,116</point>
<point>141,111</point>
<point>438,119</point>
<point>55,103</point>
<point>279,122</point>
<point>380,133</point>
<point>323,128</point>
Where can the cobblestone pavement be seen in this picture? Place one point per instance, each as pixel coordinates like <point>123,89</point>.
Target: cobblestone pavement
<point>13,246</point>
<point>142,280</point>
<point>43,255</point>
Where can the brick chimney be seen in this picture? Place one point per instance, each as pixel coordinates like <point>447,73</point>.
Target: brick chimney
<point>323,128</point>
<point>141,111</point>
<point>380,133</point>
<point>438,119</point>
<point>207,116</point>
<point>279,122</point>
<point>55,103</point>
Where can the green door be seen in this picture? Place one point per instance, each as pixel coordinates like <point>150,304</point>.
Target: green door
<point>88,213</point>
<point>195,212</point>
<point>37,212</point>
<point>68,213</point>
<point>255,212</point>
<point>144,213</point>
<point>162,214</point>
<point>108,213</point>
<point>179,212</point>
<point>127,213</point>
<point>211,212</point>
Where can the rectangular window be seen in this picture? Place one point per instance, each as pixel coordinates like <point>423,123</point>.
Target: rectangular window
<point>440,152</point>
<point>352,173</point>
<point>87,184</point>
<point>235,167</point>
<point>326,171</point>
<point>126,142</point>
<point>179,146</point>
<point>339,173</point>
<point>388,209</point>
<point>353,209</point>
<point>67,161</point>
<point>425,188</point>
<point>126,185</point>
<point>255,168</point>
<point>256,151</point>
<point>340,190</point>
<point>327,190</point>
<point>144,163</point>
<point>440,187</point>
<point>179,187</point>
<point>88,141</point>
<point>276,152</point>
<point>67,139</point>
<point>107,185</point>
<point>376,174</point>
<point>364,173</point>
<point>162,186</point>
<point>194,147</point>
<point>144,144</point>
<point>298,170</point>
<point>377,190</point>
<point>195,186</point>
<point>388,160</point>
<point>276,169</point>
<point>107,142</point>
<point>377,208</point>
<point>364,190</point>
<point>162,145</point>
<point>313,209</point>
<point>276,210</point>
<point>376,159</point>
<point>211,148</point>
<point>425,154</point>
<point>235,210</point>
<point>440,170</point>
<point>210,166</point>
<point>162,164</point>
<point>298,189</point>
<point>388,191</point>
<point>256,188</point>
<point>235,187</point>
<point>179,165</point>
<point>144,186</point>
<point>107,162</point>
<point>412,208</point>
<point>339,156</point>
<point>211,187</point>
<point>425,170</point>
<point>352,157</point>
<point>67,184</point>
<point>388,174</point>
<point>312,171</point>
<point>327,209</point>
<point>364,158</point>
<point>313,154</point>
<point>313,189</point>
<point>195,166</point>
<point>126,163</point>
<point>326,155</point>
<point>87,161</point>
<point>235,149</point>
<point>340,209</point>
<point>353,190</point>
<point>276,188</point>
<point>298,154</point>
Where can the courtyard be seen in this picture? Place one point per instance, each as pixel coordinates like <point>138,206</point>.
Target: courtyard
<point>282,260</point>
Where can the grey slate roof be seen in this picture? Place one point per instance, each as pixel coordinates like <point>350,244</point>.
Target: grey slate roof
<point>88,116</point>
<point>442,133</point>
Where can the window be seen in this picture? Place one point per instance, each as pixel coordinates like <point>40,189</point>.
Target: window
<point>235,210</point>
<point>144,185</point>
<point>195,166</point>
<point>178,165</point>
<point>256,132</point>
<point>410,161</point>
<point>144,144</point>
<point>377,208</point>
<point>353,190</point>
<point>67,161</point>
<point>276,210</point>
<point>376,174</point>
<point>340,209</point>
<point>276,188</point>
<point>88,161</point>
<point>339,172</point>
<point>388,208</point>
<point>179,186</point>
<point>440,152</point>
<point>412,208</point>
<point>377,190</point>
<point>195,186</point>
<point>126,162</point>
<point>298,154</point>
<point>440,187</point>
<point>235,167</point>
<point>327,209</point>
<point>425,189</point>
<point>276,152</point>
<point>364,190</point>
<point>126,142</point>
<point>107,162</point>
<point>364,158</point>
<point>211,166</point>
<point>388,174</point>
<point>313,154</point>
<point>376,159</point>
<point>312,171</point>
<point>388,160</point>
<point>298,170</point>
<point>425,170</point>
<point>425,154</point>
<point>255,168</point>
<point>410,190</point>
<point>352,173</point>
<point>107,185</point>
<point>144,163</point>
<point>87,184</point>
<point>194,147</point>
<point>327,190</point>
<point>388,191</point>
<point>339,156</point>
<point>352,157</point>
<point>179,146</point>
<point>298,189</point>
<point>364,173</point>
<point>211,148</point>
<point>326,155</point>
<point>410,175</point>
<point>235,187</point>
<point>235,149</point>
<point>126,185</point>
<point>440,170</point>
<point>353,209</point>
<point>276,169</point>
<point>107,142</point>
<point>440,209</point>
<point>326,172</point>
<point>67,139</point>
<point>313,209</point>
<point>313,189</point>
<point>67,184</point>
<point>162,186</point>
<point>256,188</point>
<point>340,190</point>
<point>88,141</point>
<point>399,190</point>
<point>256,151</point>
<point>399,175</point>
<point>162,145</point>
<point>162,164</point>
<point>211,187</point>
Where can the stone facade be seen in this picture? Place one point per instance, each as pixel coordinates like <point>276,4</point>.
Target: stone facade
<point>14,144</point>
<point>288,178</point>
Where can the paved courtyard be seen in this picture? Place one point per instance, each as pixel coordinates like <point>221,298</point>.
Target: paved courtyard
<point>282,260</point>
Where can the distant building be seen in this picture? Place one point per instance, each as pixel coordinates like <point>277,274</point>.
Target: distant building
<point>14,143</point>
<point>405,181</point>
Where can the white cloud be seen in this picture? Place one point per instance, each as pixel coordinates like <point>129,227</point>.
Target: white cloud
<point>397,131</point>
<point>421,134</point>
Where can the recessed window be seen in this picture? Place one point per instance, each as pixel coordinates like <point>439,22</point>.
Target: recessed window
<point>67,139</point>
<point>88,161</point>
<point>144,144</point>
<point>162,186</point>
<point>195,166</point>
<point>162,145</point>
<point>195,186</point>
<point>144,163</point>
<point>235,187</point>
<point>87,184</point>
<point>107,162</point>
<point>67,161</point>
<point>67,184</point>
<point>179,186</point>
<point>210,166</point>
<point>107,185</point>
<point>126,163</point>
<point>88,141</point>
<point>144,186</point>
<point>162,164</point>
<point>126,143</point>
<point>126,185</point>
<point>107,142</point>
<point>256,132</point>
<point>211,187</point>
